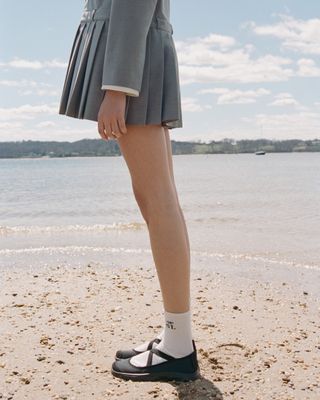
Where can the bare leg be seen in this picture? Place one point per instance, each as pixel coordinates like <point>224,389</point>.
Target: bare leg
<point>146,152</point>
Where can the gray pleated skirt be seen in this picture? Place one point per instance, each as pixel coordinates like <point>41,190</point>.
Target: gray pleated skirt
<point>159,101</point>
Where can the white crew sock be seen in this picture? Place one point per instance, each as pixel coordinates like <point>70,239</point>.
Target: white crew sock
<point>144,346</point>
<point>176,341</point>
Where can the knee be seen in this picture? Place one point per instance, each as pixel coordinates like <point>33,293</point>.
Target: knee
<point>155,200</point>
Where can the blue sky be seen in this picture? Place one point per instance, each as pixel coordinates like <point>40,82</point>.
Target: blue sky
<point>248,69</point>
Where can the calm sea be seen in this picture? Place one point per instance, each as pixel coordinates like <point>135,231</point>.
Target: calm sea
<point>240,209</point>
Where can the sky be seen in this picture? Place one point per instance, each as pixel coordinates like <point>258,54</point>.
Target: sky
<point>248,69</point>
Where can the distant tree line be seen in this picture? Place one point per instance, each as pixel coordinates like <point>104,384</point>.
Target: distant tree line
<point>98,147</point>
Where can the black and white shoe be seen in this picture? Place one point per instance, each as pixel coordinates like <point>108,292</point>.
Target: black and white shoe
<point>178,369</point>
<point>120,354</point>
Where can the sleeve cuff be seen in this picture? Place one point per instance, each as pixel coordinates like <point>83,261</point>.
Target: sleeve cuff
<point>128,91</point>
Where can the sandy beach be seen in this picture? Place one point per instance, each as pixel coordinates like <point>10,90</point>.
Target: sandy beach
<point>61,327</point>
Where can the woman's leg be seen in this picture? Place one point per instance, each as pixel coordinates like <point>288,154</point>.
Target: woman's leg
<point>148,156</point>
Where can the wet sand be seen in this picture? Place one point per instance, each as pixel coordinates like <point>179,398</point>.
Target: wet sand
<point>60,328</point>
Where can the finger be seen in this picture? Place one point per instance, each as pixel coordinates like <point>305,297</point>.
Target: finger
<point>115,128</point>
<point>122,126</point>
<point>101,130</point>
<point>108,130</point>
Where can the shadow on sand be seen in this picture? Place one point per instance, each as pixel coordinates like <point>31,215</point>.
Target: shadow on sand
<point>200,389</point>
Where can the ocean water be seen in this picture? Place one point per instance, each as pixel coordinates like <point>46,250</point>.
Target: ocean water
<point>240,209</point>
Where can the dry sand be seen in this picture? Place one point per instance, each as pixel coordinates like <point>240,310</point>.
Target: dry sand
<point>60,329</point>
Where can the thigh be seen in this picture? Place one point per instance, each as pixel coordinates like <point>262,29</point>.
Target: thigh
<point>144,149</point>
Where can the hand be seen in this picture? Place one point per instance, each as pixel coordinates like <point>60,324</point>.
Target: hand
<point>111,115</point>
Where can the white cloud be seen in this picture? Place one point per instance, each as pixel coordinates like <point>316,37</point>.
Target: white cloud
<point>284,99</point>
<point>23,83</point>
<point>211,49</point>
<point>30,88</point>
<point>46,124</point>
<point>229,96</point>
<point>26,112</point>
<point>219,58</point>
<point>308,68</point>
<point>301,36</point>
<point>200,61</point>
<point>221,41</point>
<point>10,125</point>
<point>39,92</point>
<point>191,104</point>
<point>33,64</point>
<point>12,133</point>
<point>302,124</point>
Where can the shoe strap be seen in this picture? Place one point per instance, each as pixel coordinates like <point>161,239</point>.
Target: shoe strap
<point>155,340</point>
<point>149,361</point>
<point>161,354</point>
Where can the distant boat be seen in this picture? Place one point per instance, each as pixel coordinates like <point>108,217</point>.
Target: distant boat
<point>260,153</point>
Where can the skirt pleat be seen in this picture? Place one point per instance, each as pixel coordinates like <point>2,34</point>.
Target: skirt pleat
<point>77,92</point>
<point>97,29</point>
<point>71,70</point>
<point>171,99</point>
<point>159,98</point>
<point>74,98</point>
<point>155,85</point>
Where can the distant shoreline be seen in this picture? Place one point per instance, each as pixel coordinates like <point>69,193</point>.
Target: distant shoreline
<point>98,148</point>
<point>119,155</point>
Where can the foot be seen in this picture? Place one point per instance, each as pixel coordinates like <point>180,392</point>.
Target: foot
<point>122,354</point>
<point>139,349</point>
<point>180,369</point>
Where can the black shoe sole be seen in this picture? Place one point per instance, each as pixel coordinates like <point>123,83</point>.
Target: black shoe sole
<point>158,376</point>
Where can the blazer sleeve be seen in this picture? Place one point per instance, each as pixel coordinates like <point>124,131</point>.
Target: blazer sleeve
<point>124,57</point>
